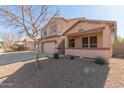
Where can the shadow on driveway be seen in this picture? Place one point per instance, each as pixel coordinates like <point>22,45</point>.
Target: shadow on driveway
<point>61,73</point>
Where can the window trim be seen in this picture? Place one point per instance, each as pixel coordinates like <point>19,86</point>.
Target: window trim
<point>83,45</point>
<point>71,43</point>
<point>45,33</point>
<point>93,42</point>
<point>53,28</point>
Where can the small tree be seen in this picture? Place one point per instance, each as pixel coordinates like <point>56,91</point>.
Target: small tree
<point>9,39</point>
<point>31,20</point>
<point>120,39</point>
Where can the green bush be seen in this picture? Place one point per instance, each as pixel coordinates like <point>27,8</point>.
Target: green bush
<point>56,55</point>
<point>100,60</point>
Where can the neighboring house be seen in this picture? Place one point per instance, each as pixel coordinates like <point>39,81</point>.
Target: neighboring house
<point>80,37</point>
<point>29,44</point>
<point>20,43</point>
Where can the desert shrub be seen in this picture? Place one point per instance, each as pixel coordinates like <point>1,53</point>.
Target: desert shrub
<point>56,55</point>
<point>100,60</point>
<point>8,50</point>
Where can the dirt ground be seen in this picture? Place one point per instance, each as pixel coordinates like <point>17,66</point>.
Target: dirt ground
<point>63,73</point>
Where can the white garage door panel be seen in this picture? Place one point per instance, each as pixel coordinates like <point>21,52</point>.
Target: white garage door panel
<point>49,47</point>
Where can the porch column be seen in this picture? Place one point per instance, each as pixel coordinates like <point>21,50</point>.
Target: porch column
<point>66,42</point>
<point>106,37</point>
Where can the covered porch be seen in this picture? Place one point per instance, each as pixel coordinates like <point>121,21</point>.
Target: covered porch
<point>91,43</point>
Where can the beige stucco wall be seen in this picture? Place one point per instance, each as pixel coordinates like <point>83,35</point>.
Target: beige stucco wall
<point>106,37</point>
<point>104,40</point>
<point>92,53</point>
<point>49,39</point>
<point>113,37</point>
<point>100,39</point>
<point>113,40</point>
<point>49,29</point>
<point>88,53</point>
<point>66,41</point>
<point>85,26</point>
<point>78,40</point>
<point>61,25</point>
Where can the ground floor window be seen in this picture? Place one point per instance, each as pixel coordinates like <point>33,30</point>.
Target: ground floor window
<point>71,42</point>
<point>85,42</point>
<point>93,41</point>
<point>89,42</point>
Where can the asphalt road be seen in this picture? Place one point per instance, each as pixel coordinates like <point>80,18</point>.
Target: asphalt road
<point>8,58</point>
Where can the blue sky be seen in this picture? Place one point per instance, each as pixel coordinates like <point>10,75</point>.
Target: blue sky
<point>114,13</point>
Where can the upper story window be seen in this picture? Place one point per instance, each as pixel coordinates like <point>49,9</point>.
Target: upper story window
<point>85,42</point>
<point>53,28</point>
<point>71,42</point>
<point>45,33</point>
<point>93,41</point>
<point>51,32</point>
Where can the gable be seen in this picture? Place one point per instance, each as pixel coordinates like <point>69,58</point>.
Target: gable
<point>85,26</point>
<point>56,27</point>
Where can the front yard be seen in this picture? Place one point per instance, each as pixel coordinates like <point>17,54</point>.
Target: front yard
<point>63,73</point>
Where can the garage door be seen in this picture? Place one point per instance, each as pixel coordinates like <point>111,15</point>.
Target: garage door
<point>49,47</point>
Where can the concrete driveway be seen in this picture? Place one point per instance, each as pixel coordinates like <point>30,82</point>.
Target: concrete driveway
<point>13,57</point>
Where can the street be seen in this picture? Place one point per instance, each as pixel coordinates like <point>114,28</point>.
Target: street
<point>14,57</point>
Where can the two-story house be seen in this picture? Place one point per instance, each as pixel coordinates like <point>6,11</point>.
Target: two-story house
<point>80,37</point>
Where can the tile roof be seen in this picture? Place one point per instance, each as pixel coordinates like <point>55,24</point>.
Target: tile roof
<point>78,20</point>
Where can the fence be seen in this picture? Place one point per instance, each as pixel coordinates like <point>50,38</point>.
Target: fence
<point>118,49</point>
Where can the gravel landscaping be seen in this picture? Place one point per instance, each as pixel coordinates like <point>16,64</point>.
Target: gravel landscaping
<point>63,73</point>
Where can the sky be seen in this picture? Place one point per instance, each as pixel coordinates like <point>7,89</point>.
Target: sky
<point>112,13</point>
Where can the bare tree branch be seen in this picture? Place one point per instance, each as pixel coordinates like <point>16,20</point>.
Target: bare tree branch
<point>31,19</point>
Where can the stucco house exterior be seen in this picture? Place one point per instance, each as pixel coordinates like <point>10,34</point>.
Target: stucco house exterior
<point>80,37</point>
<point>29,44</point>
